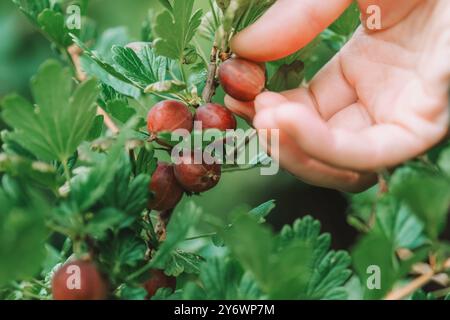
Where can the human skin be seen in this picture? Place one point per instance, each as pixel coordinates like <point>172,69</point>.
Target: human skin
<point>383,99</point>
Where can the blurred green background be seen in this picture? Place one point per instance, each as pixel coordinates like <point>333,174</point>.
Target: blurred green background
<point>23,49</point>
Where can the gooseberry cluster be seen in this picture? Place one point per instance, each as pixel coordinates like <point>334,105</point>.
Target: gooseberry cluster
<point>241,79</point>
<point>169,182</point>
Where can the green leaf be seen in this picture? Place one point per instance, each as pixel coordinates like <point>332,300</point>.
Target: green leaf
<point>422,295</point>
<point>96,129</point>
<point>52,258</point>
<point>180,223</point>
<point>210,24</point>
<point>241,13</point>
<point>293,256</point>
<point>125,193</point>
<point>395,227</point>
<point>399,224</point>
<point>166,294</point>
<point>362,208</point>
<point>40,173</point>
<point>104,220</point>
<point>426,192</point>
<point>22,232</point>
<point>126,249</point>
<point>288,76</point>
<point>32,8</point>
<point>108,75</point>
<point>328,268</point>
<point>167,4</point>
<point>444,161</point>
<point>263,210</point>
<point>223,279</point>
<point>88,189</point>
<point>167,86</point>
<point>246,233</point>
<point>111,37</point>
<point>182,261</point>
<point>59,123</point>
<point>127,292</point>
<point>174,29</point>
<point>146,161</point>
<point>132,67</point>
<point>348,21</point>
<point>375,250</point>
<point>95,65</point>
<point>316,54</point>
<point>248,288</point>
<point>250,11</point>
<point>156,66</point>
<point>54,25</point>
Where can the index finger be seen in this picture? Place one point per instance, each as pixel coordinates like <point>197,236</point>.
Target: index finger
<point>286,27</point>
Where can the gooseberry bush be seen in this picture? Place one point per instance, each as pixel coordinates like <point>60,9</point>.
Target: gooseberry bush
<point>90,199</point>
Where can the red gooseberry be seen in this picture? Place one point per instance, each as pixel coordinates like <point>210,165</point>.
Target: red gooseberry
<point>197,177</point>
<point>78,280</point>
<point>158,279</point>
<point>169,115</point>
<point>215,116</point>
<point>166,190</point>
<point>242,79</point>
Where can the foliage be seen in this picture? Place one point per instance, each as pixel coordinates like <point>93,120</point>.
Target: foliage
<point>71,187</point>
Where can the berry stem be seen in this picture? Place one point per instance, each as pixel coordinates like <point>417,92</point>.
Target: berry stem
<point>206,235</point>
<point>153,239</point>
<point>66,171</point>
<point>211,83</point>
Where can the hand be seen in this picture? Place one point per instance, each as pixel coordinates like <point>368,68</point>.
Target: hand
<point>379,102</point>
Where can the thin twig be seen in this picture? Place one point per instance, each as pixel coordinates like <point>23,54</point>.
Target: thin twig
<point>411,287</point>
<point>108,122</point>
<point>419,282</point>
<point>211,84</point>
<point>75,52</point>
<point>382,182</point>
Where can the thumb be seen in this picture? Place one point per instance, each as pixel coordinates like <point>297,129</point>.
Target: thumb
<point>286,27</point>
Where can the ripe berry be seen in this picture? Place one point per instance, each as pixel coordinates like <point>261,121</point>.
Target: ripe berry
<point>169,115</point>
<point>159,280</point>
<point>78,280</point>
<point>197,177</point>
<point>166,190</point>
<point>214,116</point>
<point>242,79</point>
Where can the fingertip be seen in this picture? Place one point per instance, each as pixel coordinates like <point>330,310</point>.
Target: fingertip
<point>245,110</point>
<point>268,99</point>
<point>285,28</point>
